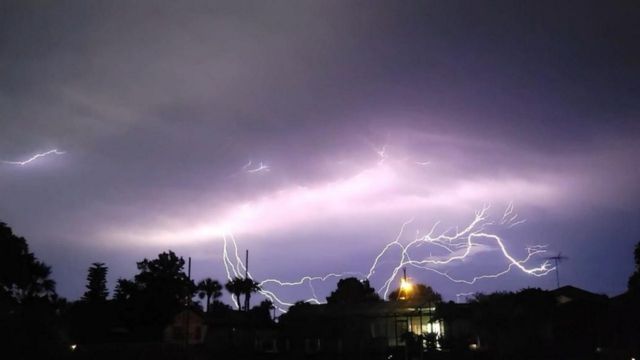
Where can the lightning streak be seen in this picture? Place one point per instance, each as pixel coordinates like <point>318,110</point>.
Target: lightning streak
<point>382,154</point>
<point>458,245</point>
<point>260,168</point>
<point>35,157</point>
<point>466,295</point>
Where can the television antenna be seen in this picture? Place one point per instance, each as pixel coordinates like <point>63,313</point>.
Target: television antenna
<point>558,259</point>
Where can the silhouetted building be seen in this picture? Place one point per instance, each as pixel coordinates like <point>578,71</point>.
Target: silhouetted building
<point>359,330</point>
<point>623,326</point>
<point>188,324</point>
<point>570,293</point>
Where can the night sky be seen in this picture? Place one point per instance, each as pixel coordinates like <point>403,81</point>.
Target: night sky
<point>312,131</point>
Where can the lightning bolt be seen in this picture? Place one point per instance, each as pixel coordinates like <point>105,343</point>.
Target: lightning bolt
<point>465,295</point>
<point>457,244</point>
<point>35,157</point>
<point>509,218</point>
<point>260,168</point>
<point>234,267</point>
<point>382,154</point>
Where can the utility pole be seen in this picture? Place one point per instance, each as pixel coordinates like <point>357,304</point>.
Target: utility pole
<point>247,296</point>
<point>246,264</point>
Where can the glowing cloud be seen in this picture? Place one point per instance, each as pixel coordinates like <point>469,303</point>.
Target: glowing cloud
<point>377,191</point>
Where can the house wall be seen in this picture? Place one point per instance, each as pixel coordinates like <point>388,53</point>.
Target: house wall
<point>176,332</point>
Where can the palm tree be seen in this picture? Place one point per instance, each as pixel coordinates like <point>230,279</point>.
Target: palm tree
<point>248,287</point>
<point>239,286</point>
<point>209,288</point>
<point>235,287</point>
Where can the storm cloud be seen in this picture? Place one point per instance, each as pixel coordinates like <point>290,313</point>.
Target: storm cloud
<point>366,114</point>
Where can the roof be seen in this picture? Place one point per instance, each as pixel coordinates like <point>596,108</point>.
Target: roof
<point>187,315</point>
<point>366,309</point>
<point>570,293</point>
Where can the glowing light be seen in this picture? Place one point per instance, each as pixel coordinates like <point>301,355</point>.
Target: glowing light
<point>73,347</point>
<point>35,157</point>
<point>405,289</point>
<point>405,285</point>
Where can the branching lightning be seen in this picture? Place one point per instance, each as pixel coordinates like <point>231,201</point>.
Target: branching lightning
<point>464,295</point>
<point>382,154</point>
<point>457,246</point>
<point>35,157</point>
<point>383,157</point>
<point>256,169</point>
<point>234,267</point>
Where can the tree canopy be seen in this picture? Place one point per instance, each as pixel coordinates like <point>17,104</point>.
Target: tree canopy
<point>158,292</point>
<point>96,283</point>
<point>242,286</point>
<point>209,289</point>
<point>22,275</point>
<point>353,291</point>
<point>29,326</point>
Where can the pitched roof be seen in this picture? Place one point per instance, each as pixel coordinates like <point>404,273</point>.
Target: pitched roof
<point>570,293</point>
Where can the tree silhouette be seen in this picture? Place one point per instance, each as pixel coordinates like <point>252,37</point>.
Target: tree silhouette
<point>235,287</point>
<point>420,292</point>
<point>29,317</point>
<point>353,291</point>
<point>91,319</point>
<point>124,290</point>
<point>634,279</point>
<point>242,286</point>
<point>512,323</point>
<point>249,286</point>
<point>156,294</point>
<point>22,275</point>
<point>96,283</point>
<point>209,288</point>
<point>261,314</point>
